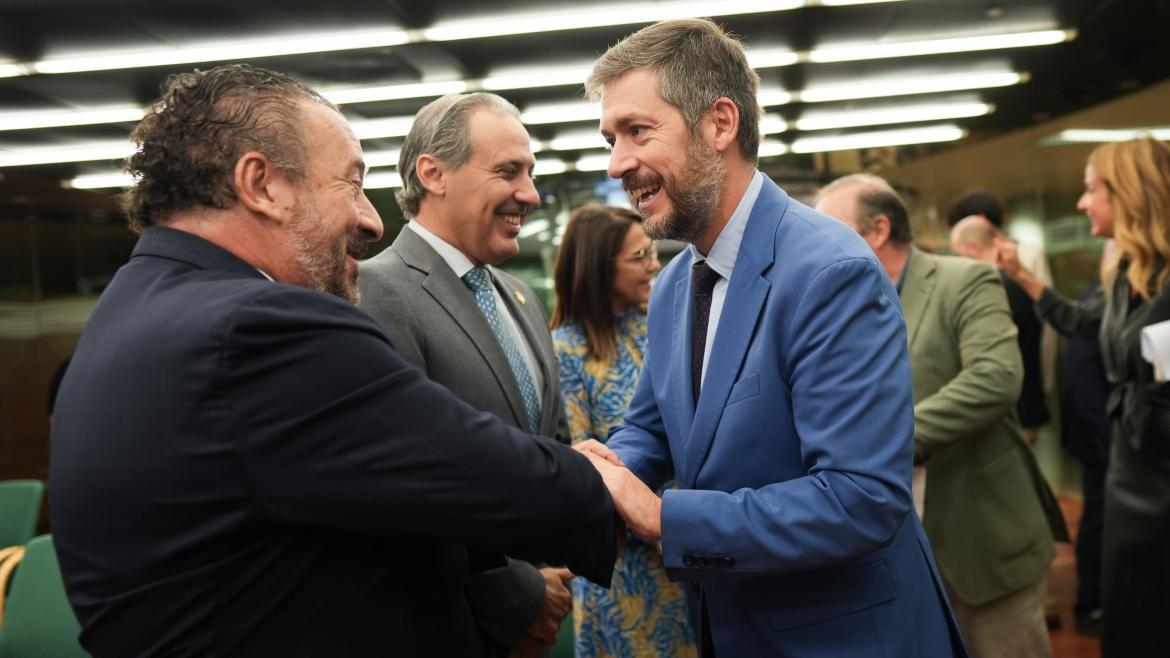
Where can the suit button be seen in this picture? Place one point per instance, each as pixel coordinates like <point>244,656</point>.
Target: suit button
<point>688,560</point>
<point>702,561</point>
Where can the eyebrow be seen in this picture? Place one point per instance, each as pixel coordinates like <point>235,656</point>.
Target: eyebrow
<point>624,121</point>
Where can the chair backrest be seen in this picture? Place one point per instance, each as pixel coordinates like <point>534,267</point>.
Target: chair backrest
<point>38,622</point>
<point>20,504</point>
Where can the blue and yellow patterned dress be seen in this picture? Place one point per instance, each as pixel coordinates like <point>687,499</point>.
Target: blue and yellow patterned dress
<point>643,614</point>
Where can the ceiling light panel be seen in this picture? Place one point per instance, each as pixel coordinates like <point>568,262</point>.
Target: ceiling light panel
<point>222,51</point>
<point>879,88</point>
<point>877,50</point>
<point>82,152</point>
<point>942,133</point>
<point>852,118</point>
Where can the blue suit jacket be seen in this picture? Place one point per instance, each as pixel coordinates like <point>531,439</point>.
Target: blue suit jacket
<point>793,515</point>
<point>247,468</point>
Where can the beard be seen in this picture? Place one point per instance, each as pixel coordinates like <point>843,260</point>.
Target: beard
<point>322,260</point>
<point>693,194</point>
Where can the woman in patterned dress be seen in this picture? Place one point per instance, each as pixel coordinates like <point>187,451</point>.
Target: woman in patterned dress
<point>603,273</point>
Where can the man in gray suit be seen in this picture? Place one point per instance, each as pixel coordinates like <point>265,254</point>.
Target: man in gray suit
<point>466,169</point>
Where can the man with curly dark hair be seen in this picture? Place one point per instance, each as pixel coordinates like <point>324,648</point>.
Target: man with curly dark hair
<point>245,467</point>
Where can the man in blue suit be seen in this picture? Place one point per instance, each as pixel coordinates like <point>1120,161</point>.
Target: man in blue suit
<point>242,465</point>
<point>776,388</point>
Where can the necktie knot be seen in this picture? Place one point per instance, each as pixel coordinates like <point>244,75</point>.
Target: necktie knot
<point>478,279</point>
<point>704,277</point>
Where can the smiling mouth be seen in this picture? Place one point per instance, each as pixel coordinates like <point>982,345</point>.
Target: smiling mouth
<point>513,219</point>
<point>645,192</point>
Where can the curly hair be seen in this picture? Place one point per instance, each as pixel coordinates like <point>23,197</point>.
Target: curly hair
<point>190,139</point>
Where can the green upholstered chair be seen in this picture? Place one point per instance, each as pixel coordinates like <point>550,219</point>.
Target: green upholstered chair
<point>38,622</point>
<point>20,504</point>
<point>564,646</point>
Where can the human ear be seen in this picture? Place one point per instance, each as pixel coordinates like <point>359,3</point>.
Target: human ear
<point>262,188</point>
<point>723,126</point>
<point>432,174</point>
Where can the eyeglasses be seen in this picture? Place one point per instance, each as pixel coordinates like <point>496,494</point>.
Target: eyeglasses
<point>643,257</point>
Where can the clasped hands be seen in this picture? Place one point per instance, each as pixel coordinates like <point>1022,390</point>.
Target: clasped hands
<point>636,503</point>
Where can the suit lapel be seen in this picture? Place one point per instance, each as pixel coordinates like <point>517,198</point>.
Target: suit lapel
<point>916,290</point>
<point>746,294</point>
<point>680,347</point>
<point>459,302</point>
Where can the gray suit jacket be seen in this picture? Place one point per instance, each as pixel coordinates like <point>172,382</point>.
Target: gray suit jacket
<point>432,318</point>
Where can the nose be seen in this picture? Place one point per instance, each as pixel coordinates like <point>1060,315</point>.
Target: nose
<point>527,193</point>
<point>621,161</point>
<point>655,264</point>
<point>1082,203</point>
<point>369,222</point>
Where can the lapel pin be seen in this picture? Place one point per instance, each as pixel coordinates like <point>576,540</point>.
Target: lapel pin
<point>519,298</point>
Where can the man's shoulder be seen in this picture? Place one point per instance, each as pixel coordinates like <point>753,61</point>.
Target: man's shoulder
<point>959,271</point>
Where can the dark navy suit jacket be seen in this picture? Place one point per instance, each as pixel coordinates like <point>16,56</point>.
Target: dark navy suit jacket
<point>792,516</point>
<point>242,467</point>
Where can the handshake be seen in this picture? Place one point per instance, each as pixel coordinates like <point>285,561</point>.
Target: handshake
<point>636,503</point>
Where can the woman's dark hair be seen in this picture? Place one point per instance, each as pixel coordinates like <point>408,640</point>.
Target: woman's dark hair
<point>584,274</point>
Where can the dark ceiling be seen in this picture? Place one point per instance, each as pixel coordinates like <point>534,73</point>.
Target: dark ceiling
<point>1121,46</point>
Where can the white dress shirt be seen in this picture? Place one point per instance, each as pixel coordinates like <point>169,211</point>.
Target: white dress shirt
<point>722,259</point>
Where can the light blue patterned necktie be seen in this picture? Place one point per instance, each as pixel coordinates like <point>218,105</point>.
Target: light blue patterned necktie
<point>480,282</point>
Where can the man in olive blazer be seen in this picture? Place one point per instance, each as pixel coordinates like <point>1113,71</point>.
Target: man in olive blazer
<point>466,206</point>
<point>990,516</point>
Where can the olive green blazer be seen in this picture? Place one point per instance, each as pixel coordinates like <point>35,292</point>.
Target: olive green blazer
<point>989,514</point>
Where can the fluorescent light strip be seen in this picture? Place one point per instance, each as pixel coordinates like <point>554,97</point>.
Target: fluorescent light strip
<point>395,92</point>
<point>382,128</point>
<point>878,117</point>
<point>475,28</point>
<point>878,88</point>
<point>575,74</point>
<point>236,49</point>
<point>597,16</point>
<point>382,180</point>
<point>100,181</point>
<point>942,133</point>
<point>871,50</point>
<point>533,227</point>
<point>537,77</point>
<point>31,119</point>
<point>82,152</point>
<point>561,113</point>
<point>1102,135</point>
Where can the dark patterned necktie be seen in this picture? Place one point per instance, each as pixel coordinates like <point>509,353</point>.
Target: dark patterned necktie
<point>703,280</point>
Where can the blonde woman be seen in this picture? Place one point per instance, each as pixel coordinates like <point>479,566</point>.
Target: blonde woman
<point>1127,197</point>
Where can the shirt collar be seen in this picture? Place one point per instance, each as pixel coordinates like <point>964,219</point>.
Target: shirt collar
<point>905,267</point>
<point>459,263</point>
<point>726,247</point>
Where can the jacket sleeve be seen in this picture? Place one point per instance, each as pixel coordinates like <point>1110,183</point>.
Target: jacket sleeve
<point>1076,319</point>
<point>337,430</point>
<point>991,369</point>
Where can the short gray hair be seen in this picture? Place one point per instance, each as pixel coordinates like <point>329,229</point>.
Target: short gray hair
<point>442,129</point>
<point>875,197</point>
<point>697,63</point>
